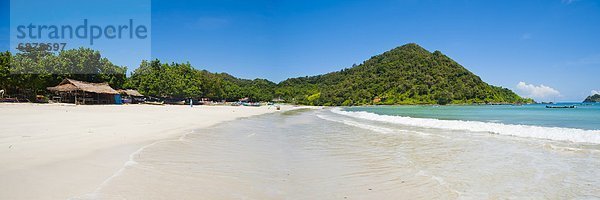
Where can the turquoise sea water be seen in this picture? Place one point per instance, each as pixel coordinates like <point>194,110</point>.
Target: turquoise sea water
<point>585,116</point>
<point>336,154</point>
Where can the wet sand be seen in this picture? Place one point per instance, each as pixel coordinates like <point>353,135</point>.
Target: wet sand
<point>178,152</point>
<point>62,151</point>
<point>317,154</point>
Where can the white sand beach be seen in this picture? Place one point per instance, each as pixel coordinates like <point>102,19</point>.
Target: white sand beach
<point>174,152</point>
<point>57,151</point>
<point>320,154</point>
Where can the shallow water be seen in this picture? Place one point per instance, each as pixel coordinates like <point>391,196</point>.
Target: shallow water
<point>580,125</point>
<point>585,116</point>
<point>322,154</point>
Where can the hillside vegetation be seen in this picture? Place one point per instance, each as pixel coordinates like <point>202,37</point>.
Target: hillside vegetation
<point>183,81</point>
<point>592,99</point>
<point>405,75</point>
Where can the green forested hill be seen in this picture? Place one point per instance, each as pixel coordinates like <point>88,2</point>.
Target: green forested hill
<point>592,99</point>
<point>405,75</point>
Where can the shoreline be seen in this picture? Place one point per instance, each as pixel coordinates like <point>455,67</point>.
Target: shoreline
<point>131,160</point>
<point>576,135</point>
<point>323,155</point>
<point>57,151</point>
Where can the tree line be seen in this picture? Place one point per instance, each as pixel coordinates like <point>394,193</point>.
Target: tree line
<point>184,81</point>
<point>31,71</point>
<point>28,73</point>
<point>405,75</point>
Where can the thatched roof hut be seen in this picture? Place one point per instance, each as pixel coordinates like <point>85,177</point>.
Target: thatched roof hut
<point>80,92</point>
<point>70,85</point>
<point>130,92</point>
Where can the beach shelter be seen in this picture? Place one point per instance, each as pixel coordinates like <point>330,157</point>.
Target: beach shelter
<point>131,96</point>
<point>80,92</point>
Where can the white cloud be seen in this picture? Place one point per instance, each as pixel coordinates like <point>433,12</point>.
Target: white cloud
<point>595,92</point>
<point>537,92</point>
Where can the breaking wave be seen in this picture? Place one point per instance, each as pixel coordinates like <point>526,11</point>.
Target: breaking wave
<point>550,133</point>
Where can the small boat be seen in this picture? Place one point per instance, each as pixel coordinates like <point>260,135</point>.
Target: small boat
<point>175,102</point>
<point>571,106</point>
<point>251,104</point>
<point>154,103</point>
<point>9,100</point>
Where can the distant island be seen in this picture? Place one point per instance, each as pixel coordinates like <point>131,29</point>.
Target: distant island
<point>408,74</point>
<point>592,99</point>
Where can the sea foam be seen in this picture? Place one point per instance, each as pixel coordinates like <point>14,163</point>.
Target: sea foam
<point>359,125</point>
<point>550,133</point>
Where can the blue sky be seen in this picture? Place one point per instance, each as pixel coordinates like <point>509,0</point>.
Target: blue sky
<point>552,46</point>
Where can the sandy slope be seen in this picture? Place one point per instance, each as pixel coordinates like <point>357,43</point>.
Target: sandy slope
<point>61,151</point>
